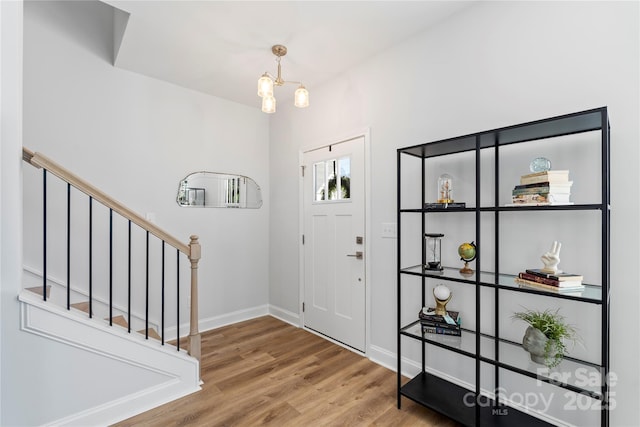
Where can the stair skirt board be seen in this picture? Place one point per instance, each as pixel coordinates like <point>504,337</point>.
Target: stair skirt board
<point>178,372</point>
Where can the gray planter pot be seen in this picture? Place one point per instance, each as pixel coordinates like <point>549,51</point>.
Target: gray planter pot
<point>535,342</point>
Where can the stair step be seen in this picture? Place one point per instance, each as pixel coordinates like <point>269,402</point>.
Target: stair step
<point>120,321</point>
<point>152,334</point>
<point>38,290</point>
<point>82,306</point>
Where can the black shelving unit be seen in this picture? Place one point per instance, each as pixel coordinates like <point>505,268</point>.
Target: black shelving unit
<point>440,394</point>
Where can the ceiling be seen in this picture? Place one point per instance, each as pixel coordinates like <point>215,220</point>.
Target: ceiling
<point>222,47</point>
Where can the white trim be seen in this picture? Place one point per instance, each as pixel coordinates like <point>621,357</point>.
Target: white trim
<point>125,407</point>
<point>285,315</point>
<point>383,357</point>
<point>328,338</point>
<point>301,235</point>
<point>231,318</point>
<point>366,135</point>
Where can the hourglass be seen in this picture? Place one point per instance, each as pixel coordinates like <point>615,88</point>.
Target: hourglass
<point>433,250</point>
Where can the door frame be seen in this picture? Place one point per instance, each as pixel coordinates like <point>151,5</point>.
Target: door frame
<point>365,133</point>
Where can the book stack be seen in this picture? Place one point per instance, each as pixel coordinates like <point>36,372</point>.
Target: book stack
<point>433,323</point>
<point>564,283</point>
<point>543,188</point>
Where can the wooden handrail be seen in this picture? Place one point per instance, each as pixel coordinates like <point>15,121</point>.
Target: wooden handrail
<point>41,161</point>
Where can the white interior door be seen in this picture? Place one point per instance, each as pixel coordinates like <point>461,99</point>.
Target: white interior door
<point>334,226</point>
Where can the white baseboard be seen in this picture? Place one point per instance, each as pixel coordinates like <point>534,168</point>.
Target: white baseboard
<point>285,315</point>
<point>233,317</point>
<point>383,357</point>
<point>125,407</point>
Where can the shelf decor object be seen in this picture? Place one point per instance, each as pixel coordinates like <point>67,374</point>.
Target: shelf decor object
<point>551,259</point>
<point>445,188</point>
<point>497,361</point>
<point>433,249</point>
<point>442,295</point>
<point>540,164</point>
<point>545,337</point>
<point>468,252</point>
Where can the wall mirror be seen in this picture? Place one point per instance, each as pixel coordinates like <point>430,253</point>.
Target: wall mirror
<point>218,190</point>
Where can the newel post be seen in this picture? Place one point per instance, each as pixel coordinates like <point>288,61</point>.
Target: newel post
<point>194,335</point>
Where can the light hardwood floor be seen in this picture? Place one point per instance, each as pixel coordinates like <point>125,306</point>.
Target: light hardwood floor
<point>267,372</point>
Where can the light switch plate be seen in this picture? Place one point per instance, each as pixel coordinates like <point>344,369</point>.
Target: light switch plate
<point>389,230</point>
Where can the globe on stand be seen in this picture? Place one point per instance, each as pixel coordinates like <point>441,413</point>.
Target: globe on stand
<point>468,253</point>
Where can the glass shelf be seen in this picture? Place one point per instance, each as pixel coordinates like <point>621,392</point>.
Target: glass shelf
<point>591,293</point>
<point>573,374</point>
<point>575,207</point>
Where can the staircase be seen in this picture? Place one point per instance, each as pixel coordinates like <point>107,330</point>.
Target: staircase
<point>122,304</point>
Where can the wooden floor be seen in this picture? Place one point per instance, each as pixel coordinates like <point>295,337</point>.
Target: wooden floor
<point>267,372</point>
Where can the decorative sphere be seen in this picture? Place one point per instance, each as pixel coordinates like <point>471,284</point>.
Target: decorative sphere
<point>467,251</point>
<point>441,292</point>
<point>540,164</point>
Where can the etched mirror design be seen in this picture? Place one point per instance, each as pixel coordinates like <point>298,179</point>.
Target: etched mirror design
<point>218,190</point>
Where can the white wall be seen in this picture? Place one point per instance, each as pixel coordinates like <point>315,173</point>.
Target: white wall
<point>135,138</point>
<point>492,65</point>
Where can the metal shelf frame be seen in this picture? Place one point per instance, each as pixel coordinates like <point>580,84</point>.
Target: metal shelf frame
<point>419,388</point>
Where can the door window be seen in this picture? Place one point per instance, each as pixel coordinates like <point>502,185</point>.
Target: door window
<point>332,179</point>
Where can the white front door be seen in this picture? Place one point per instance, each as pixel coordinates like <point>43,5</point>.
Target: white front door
<point>334,258</point>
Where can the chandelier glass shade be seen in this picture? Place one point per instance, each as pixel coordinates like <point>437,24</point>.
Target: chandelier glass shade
<point>301,97</point>
<point>265,86</point>
<point>267,82</point>
<point>268,104</point>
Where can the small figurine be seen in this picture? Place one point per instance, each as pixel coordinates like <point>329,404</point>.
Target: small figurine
<point>551,259</point>
<point>445,188</point>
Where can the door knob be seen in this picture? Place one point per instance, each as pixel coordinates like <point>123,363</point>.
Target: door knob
<point>358,255</point>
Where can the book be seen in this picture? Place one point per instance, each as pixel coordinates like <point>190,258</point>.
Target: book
<point>550,282</point>
<point>526,284</point>
<point>439,325</point>
<point>429,315</point>
<point>445,205</point>
<point>540,198</point>
<point>539,190</point>
<point>556,186</point>
<point>551,176</point>
<point>441,331</point>
<point>540,204</point>
<point>561,277</point>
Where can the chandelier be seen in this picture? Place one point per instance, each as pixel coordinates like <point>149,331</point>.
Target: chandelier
<point>266,82</point>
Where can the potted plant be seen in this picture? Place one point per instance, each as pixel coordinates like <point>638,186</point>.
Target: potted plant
<point>546,335</point>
